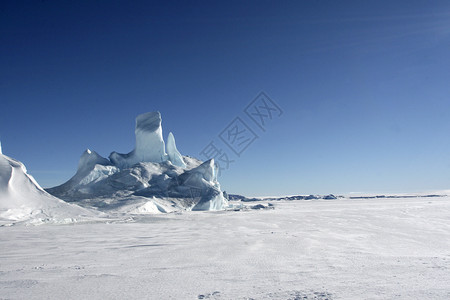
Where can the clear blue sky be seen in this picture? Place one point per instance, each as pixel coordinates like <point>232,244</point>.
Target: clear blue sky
<point>364,87</point>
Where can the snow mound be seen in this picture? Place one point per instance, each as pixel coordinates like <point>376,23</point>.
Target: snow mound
<point>23,200</point>
<point>152,206</point>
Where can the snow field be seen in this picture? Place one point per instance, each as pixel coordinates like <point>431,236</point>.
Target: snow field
<point>340,249</point>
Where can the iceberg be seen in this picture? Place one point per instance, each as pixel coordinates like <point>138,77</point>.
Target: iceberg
<point>145,178</point>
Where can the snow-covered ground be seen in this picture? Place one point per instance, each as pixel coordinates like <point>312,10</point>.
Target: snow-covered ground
<point>319,249</point>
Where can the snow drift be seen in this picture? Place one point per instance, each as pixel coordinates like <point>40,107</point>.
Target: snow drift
<point>147,179</point>
<point>22,199</point>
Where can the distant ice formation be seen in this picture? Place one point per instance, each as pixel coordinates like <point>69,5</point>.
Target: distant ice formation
<point>147,179</point>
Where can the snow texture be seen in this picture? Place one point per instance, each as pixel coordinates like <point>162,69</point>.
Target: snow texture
<point>315,249</point>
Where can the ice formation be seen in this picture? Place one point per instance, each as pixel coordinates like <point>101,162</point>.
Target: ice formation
<point>89,159</point>
<point>91,168</point>
<point>22,199</point>
<point>172,151</point>
<point>201,183</point>
<point>146,177</point>
<point>149,143</point>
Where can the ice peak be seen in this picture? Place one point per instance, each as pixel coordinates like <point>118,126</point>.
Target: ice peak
<point>149,121</point>
<point>1,148</point>
<point>208,169</point>
<point>90,158</point>
<point>150,146</point>
<point>173,153</point>
<point>149,141</point>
